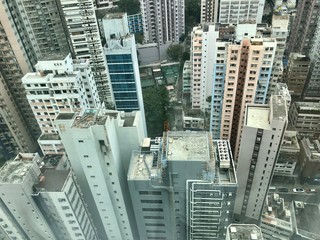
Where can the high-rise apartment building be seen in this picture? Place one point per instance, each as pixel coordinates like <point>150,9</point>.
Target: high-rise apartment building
<point>185,189</point>
<point>263,131</point>
<point>122,61</point>
<point>234,12</point>
<point>296,74</point>
<point>57,86</point>
<point>240,11</point>
<point>233,67</point>
<point>209,11</point>
<point>15,136</point>
<point>15,62</point>
<point>163,21</point>
<point>82,26</point>
<point>279,31</point>
<point>305,39</point>
<point>99,144</point>
<point>303,29</point>
<point>248,71</point>
<point>41,204</point>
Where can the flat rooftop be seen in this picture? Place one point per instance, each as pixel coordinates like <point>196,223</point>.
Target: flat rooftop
<point>143,166</point>
<point>244,232</point>
<point>14,171</point>
<point>52,160</point>
<point>114,15</point>
<point>52,180</point>
<point>90,117</point>
<point>307,218</point>
<point>57,56</point>
<point>278,107</point>
<point>188,146</point>
<point>258,117</point>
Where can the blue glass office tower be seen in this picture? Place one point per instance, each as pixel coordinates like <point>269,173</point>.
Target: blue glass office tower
<point>122,62</point>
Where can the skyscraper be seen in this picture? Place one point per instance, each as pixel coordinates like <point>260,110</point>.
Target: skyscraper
<point>84,37</point>
<point>230,65</point>
<point>185,189</point>
<point>209,11</point>
<point>163,21</point>
<point>14,134</point>
<point>240,11</point>
<point>103,141</point>
<point>122,61</point>
<point>305,39</point>
<point>263,131</point>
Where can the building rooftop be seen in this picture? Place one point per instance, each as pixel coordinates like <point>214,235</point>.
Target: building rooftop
<point>15,170</point>
<point>57,56</point>
<point>277,213</point>
<point>117,15</point>
<point>307,217</point>
<point>51,160</point>
<point>290,142</point>
<point>143,166</point>
<point>278,107</point>
<point>89,117</point>
<point>258,117</point>
<point>52,180</point>
<point>187,146</point>
<point>244,232</point>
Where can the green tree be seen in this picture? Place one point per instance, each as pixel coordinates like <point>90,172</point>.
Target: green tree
<point>174,52</point>
<point>193,13</point>
<point>129,6</point>
<point>156,102</point>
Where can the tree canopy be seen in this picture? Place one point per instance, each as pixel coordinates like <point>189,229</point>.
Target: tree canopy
<point>156,102</point>
<point>129,6</point>
<point>175,52</point>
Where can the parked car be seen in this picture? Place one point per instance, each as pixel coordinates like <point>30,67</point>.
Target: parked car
<point>298,190</point>
<point>311,190</point>
<point>283,189</point>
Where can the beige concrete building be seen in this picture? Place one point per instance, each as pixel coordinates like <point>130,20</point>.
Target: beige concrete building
<point>248,70</point>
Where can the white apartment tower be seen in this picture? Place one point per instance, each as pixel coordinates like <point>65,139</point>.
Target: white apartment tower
<point>233,67</point>
<point>20,216</point>
<point>99,145</point>
<point>262,135</point>
<point>240,11</point>
<point>84,37</point>
<point>59,85</point>
<point>163,21</point>
<point>60,199</point>
<point>41,204</point>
